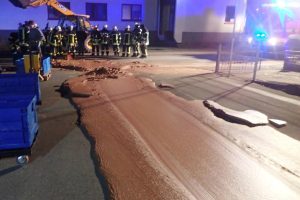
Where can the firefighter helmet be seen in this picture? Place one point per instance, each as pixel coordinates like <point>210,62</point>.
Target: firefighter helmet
<point>58,28</point>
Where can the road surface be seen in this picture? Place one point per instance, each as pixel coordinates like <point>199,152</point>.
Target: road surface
<point>62,165</point>
<point>164,147</point>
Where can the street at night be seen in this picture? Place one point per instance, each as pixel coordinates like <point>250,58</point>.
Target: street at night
<point>130,107</point>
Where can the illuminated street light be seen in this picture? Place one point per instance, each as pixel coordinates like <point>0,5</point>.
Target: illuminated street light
<point>281,4</point>
<point>250,40</point>
<point>272,41</point>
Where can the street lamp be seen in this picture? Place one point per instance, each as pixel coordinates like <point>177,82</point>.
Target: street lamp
<point>233,17</point>
<point>260,37</point>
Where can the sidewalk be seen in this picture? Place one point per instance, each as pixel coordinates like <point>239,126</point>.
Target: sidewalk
<point>62,165</point>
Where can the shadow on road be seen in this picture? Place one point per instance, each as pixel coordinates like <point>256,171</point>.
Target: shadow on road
<point>9,170</point>
<point>65,93</point>
<point>212,56</point>
<point>292,89</point>
<point>221,95</point>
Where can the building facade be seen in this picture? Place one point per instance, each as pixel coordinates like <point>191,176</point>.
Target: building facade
<point>183,22</point>
<point>113,13</point>
<point>195,22</point>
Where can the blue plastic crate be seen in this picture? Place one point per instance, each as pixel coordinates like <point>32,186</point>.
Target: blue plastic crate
<point>20,69</point>
<point>46,66</point>
<point>20,84</point>
<point>18,121</point>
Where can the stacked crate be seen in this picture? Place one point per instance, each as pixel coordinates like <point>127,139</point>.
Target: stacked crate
<point>18,122</point>
<point>19,96</point>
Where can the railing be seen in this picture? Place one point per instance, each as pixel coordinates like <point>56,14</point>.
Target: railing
<point>242,61</point>
<point>292,60</point>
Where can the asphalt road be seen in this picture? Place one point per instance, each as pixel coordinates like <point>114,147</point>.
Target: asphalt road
<point>62,165</point>
<point>238,94</point>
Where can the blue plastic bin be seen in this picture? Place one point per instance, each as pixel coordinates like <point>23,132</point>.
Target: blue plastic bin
<point>46,66</point>
<point>18,121</point>
<point>20,84</point>
<point>20,69</point>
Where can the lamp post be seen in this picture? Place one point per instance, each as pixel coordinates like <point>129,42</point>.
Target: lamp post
<point>232,40</point>
<point>232,47</point>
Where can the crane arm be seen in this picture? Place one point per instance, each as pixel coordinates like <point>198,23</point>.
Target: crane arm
<point>52,3</point>
<point>59,7</point>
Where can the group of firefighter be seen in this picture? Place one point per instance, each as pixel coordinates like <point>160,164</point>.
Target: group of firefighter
<point>61,41</point>
<point>137,39</point>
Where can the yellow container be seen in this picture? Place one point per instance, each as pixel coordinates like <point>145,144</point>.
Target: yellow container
<point>32,63</point>
<point>35,59</point>
<point>27,63</point>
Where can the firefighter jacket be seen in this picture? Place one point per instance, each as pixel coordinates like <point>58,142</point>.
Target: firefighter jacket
<point>145,37</point>
<point>35,36</point>
<point>49,36</point>
<point>127,37</point>
<point>115,38</point>
<point>104,36</point>
<point>137,35</point>
<point>23,34</point>
<point>71,38</point>
<point>14,41</point>
<point>57,39</point>
<point>95,37</point>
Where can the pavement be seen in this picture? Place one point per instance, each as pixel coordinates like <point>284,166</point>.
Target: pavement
<point>238,94</point>
<point>275,93</point>
<point>62,165</point>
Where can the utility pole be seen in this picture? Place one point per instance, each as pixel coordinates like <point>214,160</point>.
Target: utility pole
<point>232,40</point>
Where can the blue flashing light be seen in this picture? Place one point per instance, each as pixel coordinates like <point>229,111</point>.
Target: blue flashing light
<point>283,10</point>
<point>260,35</point>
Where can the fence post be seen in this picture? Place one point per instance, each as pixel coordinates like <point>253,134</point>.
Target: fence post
<point>256,61</point>
<point>218,58</point>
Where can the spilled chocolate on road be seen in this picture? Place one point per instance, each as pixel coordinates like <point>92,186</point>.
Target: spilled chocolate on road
<point>154,145</point>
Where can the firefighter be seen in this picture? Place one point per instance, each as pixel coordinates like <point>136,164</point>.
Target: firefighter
<point>127,37</point>
<point>14,45</point>
<point>136,38</point>
<point>81,36</point>
<point>104,33</point>
<point>116,40</point>
<point>144,41</point>
<point>47,48</point>
<point>64,32</point>
<point>57,42</point>
<point>71,40</point>
<point>95,39</point>
<point>23,35</point>
<point>36,37</point>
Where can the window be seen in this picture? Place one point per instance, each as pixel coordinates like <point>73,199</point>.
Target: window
<point>230,14</point>
<point>96,11</point>
<point>54,14</point>
<point>131,12</point>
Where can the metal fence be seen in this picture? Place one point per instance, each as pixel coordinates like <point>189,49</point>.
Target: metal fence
<point>238,63</point>
<point>247,61</point>
<point>241,60</point>
<point>292,60</point>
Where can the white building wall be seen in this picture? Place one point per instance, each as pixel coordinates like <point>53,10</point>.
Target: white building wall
<point>151,15</point>
<point>10,16</point>
<point>204,16</point>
